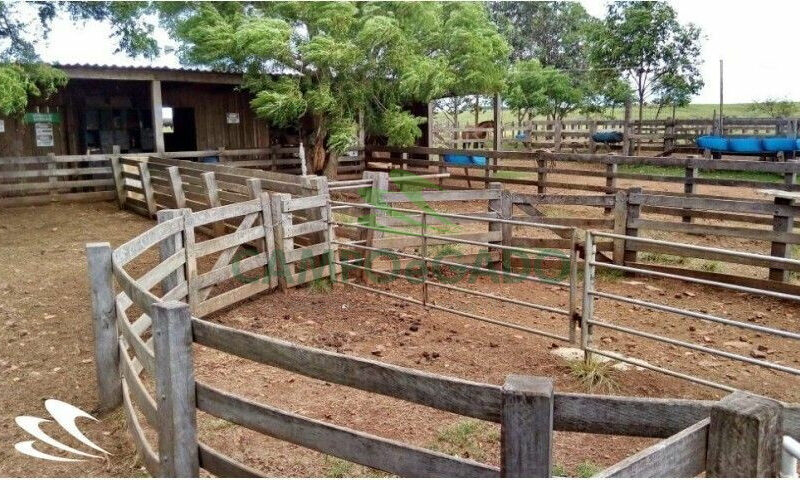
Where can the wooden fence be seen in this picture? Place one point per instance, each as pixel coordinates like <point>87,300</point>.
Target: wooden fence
<point>663,136</point>
<point>50,178</point>
<point>157,376</point>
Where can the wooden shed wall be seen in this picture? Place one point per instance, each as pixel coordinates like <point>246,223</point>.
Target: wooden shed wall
<point>210,104</point>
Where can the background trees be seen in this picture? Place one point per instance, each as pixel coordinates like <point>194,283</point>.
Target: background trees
<point>644,43</point>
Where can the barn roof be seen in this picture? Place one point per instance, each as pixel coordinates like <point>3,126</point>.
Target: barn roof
<point>167,74</point>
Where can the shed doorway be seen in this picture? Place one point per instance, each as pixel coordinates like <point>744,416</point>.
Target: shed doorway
<point>183,137</point>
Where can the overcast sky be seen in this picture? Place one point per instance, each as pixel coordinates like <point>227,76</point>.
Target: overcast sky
<point>755,40</point>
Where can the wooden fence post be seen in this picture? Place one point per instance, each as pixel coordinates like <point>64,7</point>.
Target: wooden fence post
<point>104,325</point>
<point>168,247</point>
<point>502,207</point>
<point>119,180</point>
<point>592,131</point>
<point>620,225</point>
<point>626,129</point>
<point>611,181</point>
<point>190,269</point>
<point>631,230</point>
<point>212,194</point>
<point>147,187</point>
<point>282,222</point>
<point>526,432</point>
<point>177,187</point>
<point>52,178</point>
<point>175,390</point>
<point>380,185</point>
<point>691,173</point>
<point>541,175</point>
<point>781,223</point>
<point>744,437</point>
<point>557,134</point>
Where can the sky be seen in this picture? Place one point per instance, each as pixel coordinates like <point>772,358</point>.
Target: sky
<point>755,40</point>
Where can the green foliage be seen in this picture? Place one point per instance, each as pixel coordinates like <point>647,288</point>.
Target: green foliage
<point>644,43</point>
<point>543,90</point>
<point>468,439</point>
<point>19,82</point>
<point>586,469</point>
<point>339,58</point>
<point>320,285</point>
<point>774,107</point>
<point>594,374</point>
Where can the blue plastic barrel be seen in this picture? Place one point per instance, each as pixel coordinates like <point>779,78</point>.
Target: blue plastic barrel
<point>213,159</point>
<point>479,160</point>
<point>745,145</point>
<point>779,144</point>
<point>713,142</point>
<point>456,159</point>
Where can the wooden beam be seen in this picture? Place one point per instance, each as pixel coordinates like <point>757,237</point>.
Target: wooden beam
<point>158,119</point>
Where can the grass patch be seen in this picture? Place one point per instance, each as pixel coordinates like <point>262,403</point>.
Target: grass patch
<point>662,258</point>
<point>441,251</point>
<point>338,468</point>
<point>320,285</point>
<point>467,439</point>
<point>710,266</point>
<point>586,469</point>
<point>594,374</point>
<point>511,175</point>
<point>711,174</point>
<point>610,274</point>
<point>559,471</point>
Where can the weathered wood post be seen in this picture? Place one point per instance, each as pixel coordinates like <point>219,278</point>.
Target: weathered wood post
<point>526,431</point>
<point>744,437</point>
<point>147,188</point>
<point>620,225</point>
<point>691,173</point>
<point>282,222</point>
<point>212,194</point>
<point>104,325</point>
<point>52,178</point>
<point>380,185</point>
<point>557,135</point>
<point>541,174</point>
<point>592,130</point>
<point>631,222</point>
<point>782,222</point>
<point>626,130</point>
<point>611,179</point>
<point>119,180</point>
<point>190,268</point>
<point>502,207</point>
<point>168,247</point>
<point>176,184</point>
<point>175,390</point>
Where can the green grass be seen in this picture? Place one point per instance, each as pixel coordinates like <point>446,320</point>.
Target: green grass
<point>594,374</point>
<point>710,266</point>
<point>442,251</point>
<point>716,174</point>
<point>662,258</point>
<point>693,111</point>
<point>320,285</point>
<point>467,439</point>
<point>586,469</point>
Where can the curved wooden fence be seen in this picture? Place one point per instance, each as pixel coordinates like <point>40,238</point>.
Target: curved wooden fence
<point>144,335</point>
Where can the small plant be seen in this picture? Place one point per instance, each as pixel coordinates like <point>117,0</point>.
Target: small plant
<point>662,258</point>
<point>709,266</point>
<point>609,274</point>
<point>468,439</point>
<point>445,251</point>
<point>320,285</point>
<point>338,468</point>
<point>586,469</point>
<point>594,374</point>
<point>559,471</point>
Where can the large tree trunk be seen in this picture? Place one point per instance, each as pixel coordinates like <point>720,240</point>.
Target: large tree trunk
<point>477,110</point>
<point>639,130</point>
<point>318,151</point>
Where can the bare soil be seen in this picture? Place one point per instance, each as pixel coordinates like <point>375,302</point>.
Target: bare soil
<point>47,353</point>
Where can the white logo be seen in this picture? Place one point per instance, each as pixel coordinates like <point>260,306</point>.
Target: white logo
<point>64,414</point>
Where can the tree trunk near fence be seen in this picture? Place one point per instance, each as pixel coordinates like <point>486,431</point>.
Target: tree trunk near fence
<point>318,151</point>
<point>477,109</point>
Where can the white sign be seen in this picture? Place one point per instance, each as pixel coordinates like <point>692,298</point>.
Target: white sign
<point>2,126</point>
<point>44,134</point>
<point>232,117</point>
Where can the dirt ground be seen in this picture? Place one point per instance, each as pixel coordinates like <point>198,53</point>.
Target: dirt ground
<point>47,353</point>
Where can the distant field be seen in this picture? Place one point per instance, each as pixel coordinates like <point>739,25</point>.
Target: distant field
<point>697,110</point>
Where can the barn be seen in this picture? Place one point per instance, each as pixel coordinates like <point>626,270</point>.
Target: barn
<point>141,109</point>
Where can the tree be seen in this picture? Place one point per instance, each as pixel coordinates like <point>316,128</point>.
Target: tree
<point>555,33</point>
<point>675,91</point>
<point>533,88</point>
<point>644,43</point>
<point>774,107</point>
<point>23,76</point>
<point>339,58</point>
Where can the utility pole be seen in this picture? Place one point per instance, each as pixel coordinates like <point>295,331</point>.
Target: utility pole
<point>721,132</point>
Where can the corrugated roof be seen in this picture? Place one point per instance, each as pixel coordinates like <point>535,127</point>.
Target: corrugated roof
<point>161,68</point>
